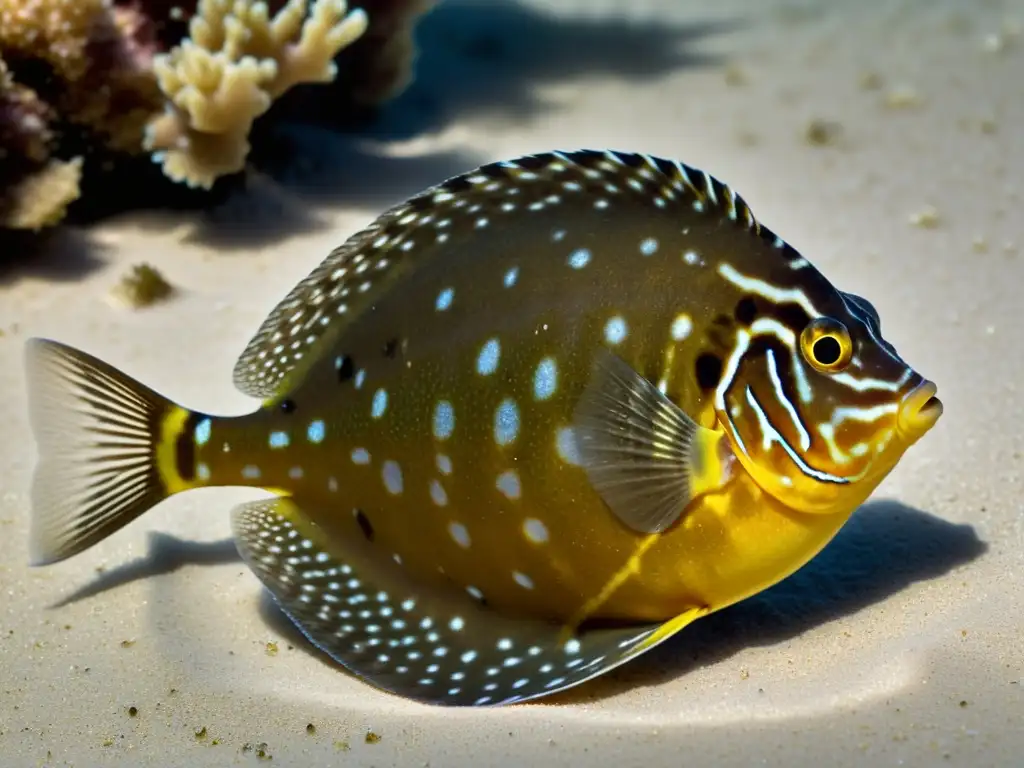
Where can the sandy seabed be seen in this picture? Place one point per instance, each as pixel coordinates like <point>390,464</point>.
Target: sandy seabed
<point>883,139</point>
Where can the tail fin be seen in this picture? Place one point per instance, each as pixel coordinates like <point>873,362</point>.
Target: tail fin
<point>100,436</point>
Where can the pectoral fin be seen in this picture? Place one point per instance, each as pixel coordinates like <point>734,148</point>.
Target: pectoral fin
<point>642,453</point>
<point>421,642</point>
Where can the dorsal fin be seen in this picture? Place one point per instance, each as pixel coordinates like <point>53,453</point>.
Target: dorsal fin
<point>357,273</point>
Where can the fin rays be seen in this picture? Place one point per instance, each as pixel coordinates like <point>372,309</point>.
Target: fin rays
<point>96,431</point>
<point>636,446</point>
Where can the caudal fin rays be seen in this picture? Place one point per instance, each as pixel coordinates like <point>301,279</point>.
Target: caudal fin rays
<point>97,432</point>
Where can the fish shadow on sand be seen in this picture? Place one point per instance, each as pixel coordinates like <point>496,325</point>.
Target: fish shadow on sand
<point>476,59</point>
<point>492,58</point>
<point>885,548</point>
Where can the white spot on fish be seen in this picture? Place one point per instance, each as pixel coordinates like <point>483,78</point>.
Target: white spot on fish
<point>535,530</point>
<point>278,440</point>
<point>380,403</point>
<point>692,258</point>
<point>615,330</point>
<point>682,326</point>
<point>392,474</point>
<point>522,580</point>
<point>332,484</point>
<point>509,484</point>
<point>456,624</point>
<point>360,456</point>
<point>506,422</point>
<point>545,379</point>
<point>565,443</point>
<point>579,258</point>
<point>467,658</point>
<point>251,472</point>
<point>360,378</point>
<point>459,534</point>
<point>558,235</point>
<point>648,246</point>
<point>511,276</point>
<point>203,471</point>
<point>202,433</point>
<point>444,420</point>
<point>474,592</point>
<point>295,473</point>
<point>444,299</point>
<point>572,647</point>
<point>437,493</point>
<point>444,464</point>
<point>487,361</point>
<point>316,431</point>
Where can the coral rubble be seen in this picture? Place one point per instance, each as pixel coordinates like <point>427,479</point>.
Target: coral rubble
<point>87,84</point>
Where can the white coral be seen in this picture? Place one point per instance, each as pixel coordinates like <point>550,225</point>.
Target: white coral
<point>236,61</point>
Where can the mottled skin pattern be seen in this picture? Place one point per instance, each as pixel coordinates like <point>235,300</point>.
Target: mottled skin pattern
<point>728,545</point>
<point>440,530</point>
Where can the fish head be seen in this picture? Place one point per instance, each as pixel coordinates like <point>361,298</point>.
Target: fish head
<point>818,406</point>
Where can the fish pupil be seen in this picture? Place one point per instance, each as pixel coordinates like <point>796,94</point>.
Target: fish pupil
<point>708,369</point>
<point>287,406</point>
<point>827,350</point>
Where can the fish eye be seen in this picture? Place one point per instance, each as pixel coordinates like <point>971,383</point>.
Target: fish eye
<point>826,345</point>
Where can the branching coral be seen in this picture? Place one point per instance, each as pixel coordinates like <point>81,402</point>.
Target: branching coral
<point>88,83</point>
<point>236,62</point>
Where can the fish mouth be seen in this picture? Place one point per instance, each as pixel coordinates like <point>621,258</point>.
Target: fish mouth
<point>919,411</point>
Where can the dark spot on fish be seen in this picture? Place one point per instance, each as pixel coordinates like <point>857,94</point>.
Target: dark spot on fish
<point>791,315</point>
<point>185,447</point>
<point>346,368</point>
<point>745,310</point>
<point>708,369</point>
<point>364,524</point>
<point>287,406</point>
<point>390,348</point>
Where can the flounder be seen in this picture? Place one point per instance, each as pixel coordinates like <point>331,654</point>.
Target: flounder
<point>522,428</point>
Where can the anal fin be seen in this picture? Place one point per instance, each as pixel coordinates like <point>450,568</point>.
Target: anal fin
<point>422,643</point>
